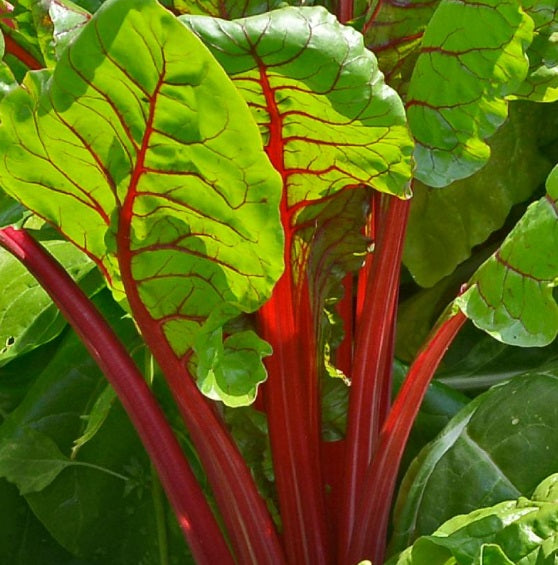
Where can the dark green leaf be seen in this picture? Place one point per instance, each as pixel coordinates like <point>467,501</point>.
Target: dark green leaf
<point>98,505</point>
<point>522,531</point>
<point>23,539</point>
<point>445,225</point>
<point>474,461</point>
<point>476,361</point>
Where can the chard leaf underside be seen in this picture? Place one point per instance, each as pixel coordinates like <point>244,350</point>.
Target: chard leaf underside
<point>144,155</point>
<point>472,56</point>
<point>511,295</point>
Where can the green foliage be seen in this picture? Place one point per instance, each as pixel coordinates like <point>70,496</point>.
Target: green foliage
<point>474,461</point>
<point>177,150</point>
<point>518,531</point>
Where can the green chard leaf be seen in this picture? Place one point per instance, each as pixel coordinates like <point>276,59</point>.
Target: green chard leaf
<point>227,9</point>
<point>473,462</point>
<point>541,84</point>
<point>326,116</point>
<point>393,31</point>
<point>23,539</point>
<point>472,56</point>
<point>140,150</point>
<point>330,126</point>
<point>445,225</point>
<point>511,295</point>
<point>516,531</point>
<point>95,502</point>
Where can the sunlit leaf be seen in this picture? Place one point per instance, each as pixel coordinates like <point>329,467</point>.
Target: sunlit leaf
<point>326,116</point>
<point>511,295</point>
<point>472,56</point>
<point>445,225</point>
<point>142,152</point>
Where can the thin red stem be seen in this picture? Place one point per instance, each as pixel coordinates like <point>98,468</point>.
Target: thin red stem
<point>374,339</point>
<point>369,539</point>
<point>345,11</point>
<point>194,515</point>
<point>20,53</point>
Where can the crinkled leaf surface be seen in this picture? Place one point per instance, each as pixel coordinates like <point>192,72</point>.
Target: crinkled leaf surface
<point>326,116</point>
<point>541,84</point>
<point>510,296</point>
<point>516,531</point>
<point>140,149</point>
<point>445,225</point>
<point>393,31</point>
<point>231,370</point>
<point>473,462</point>
<point>472,56</point>
<point>28,317</point>
<point>226,9</point>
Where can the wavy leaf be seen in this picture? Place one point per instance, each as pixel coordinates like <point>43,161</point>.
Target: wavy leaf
<point>473,462</point>
<point>521,531</point>
<point>541,84</point>
<point>445,225</point>
<point>326,116</point>
<point>140,149</point>
<point>510,296</point>
<point>472,56</point>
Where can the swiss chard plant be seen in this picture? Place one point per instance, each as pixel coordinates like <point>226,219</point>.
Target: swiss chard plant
<point>266,225</point>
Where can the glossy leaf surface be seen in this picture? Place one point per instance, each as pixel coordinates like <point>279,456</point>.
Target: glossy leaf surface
<point>457,90</point>
<point>517,531</point>
<point>473,462</point>
<point>510,296</point>
<point>140,142</point>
